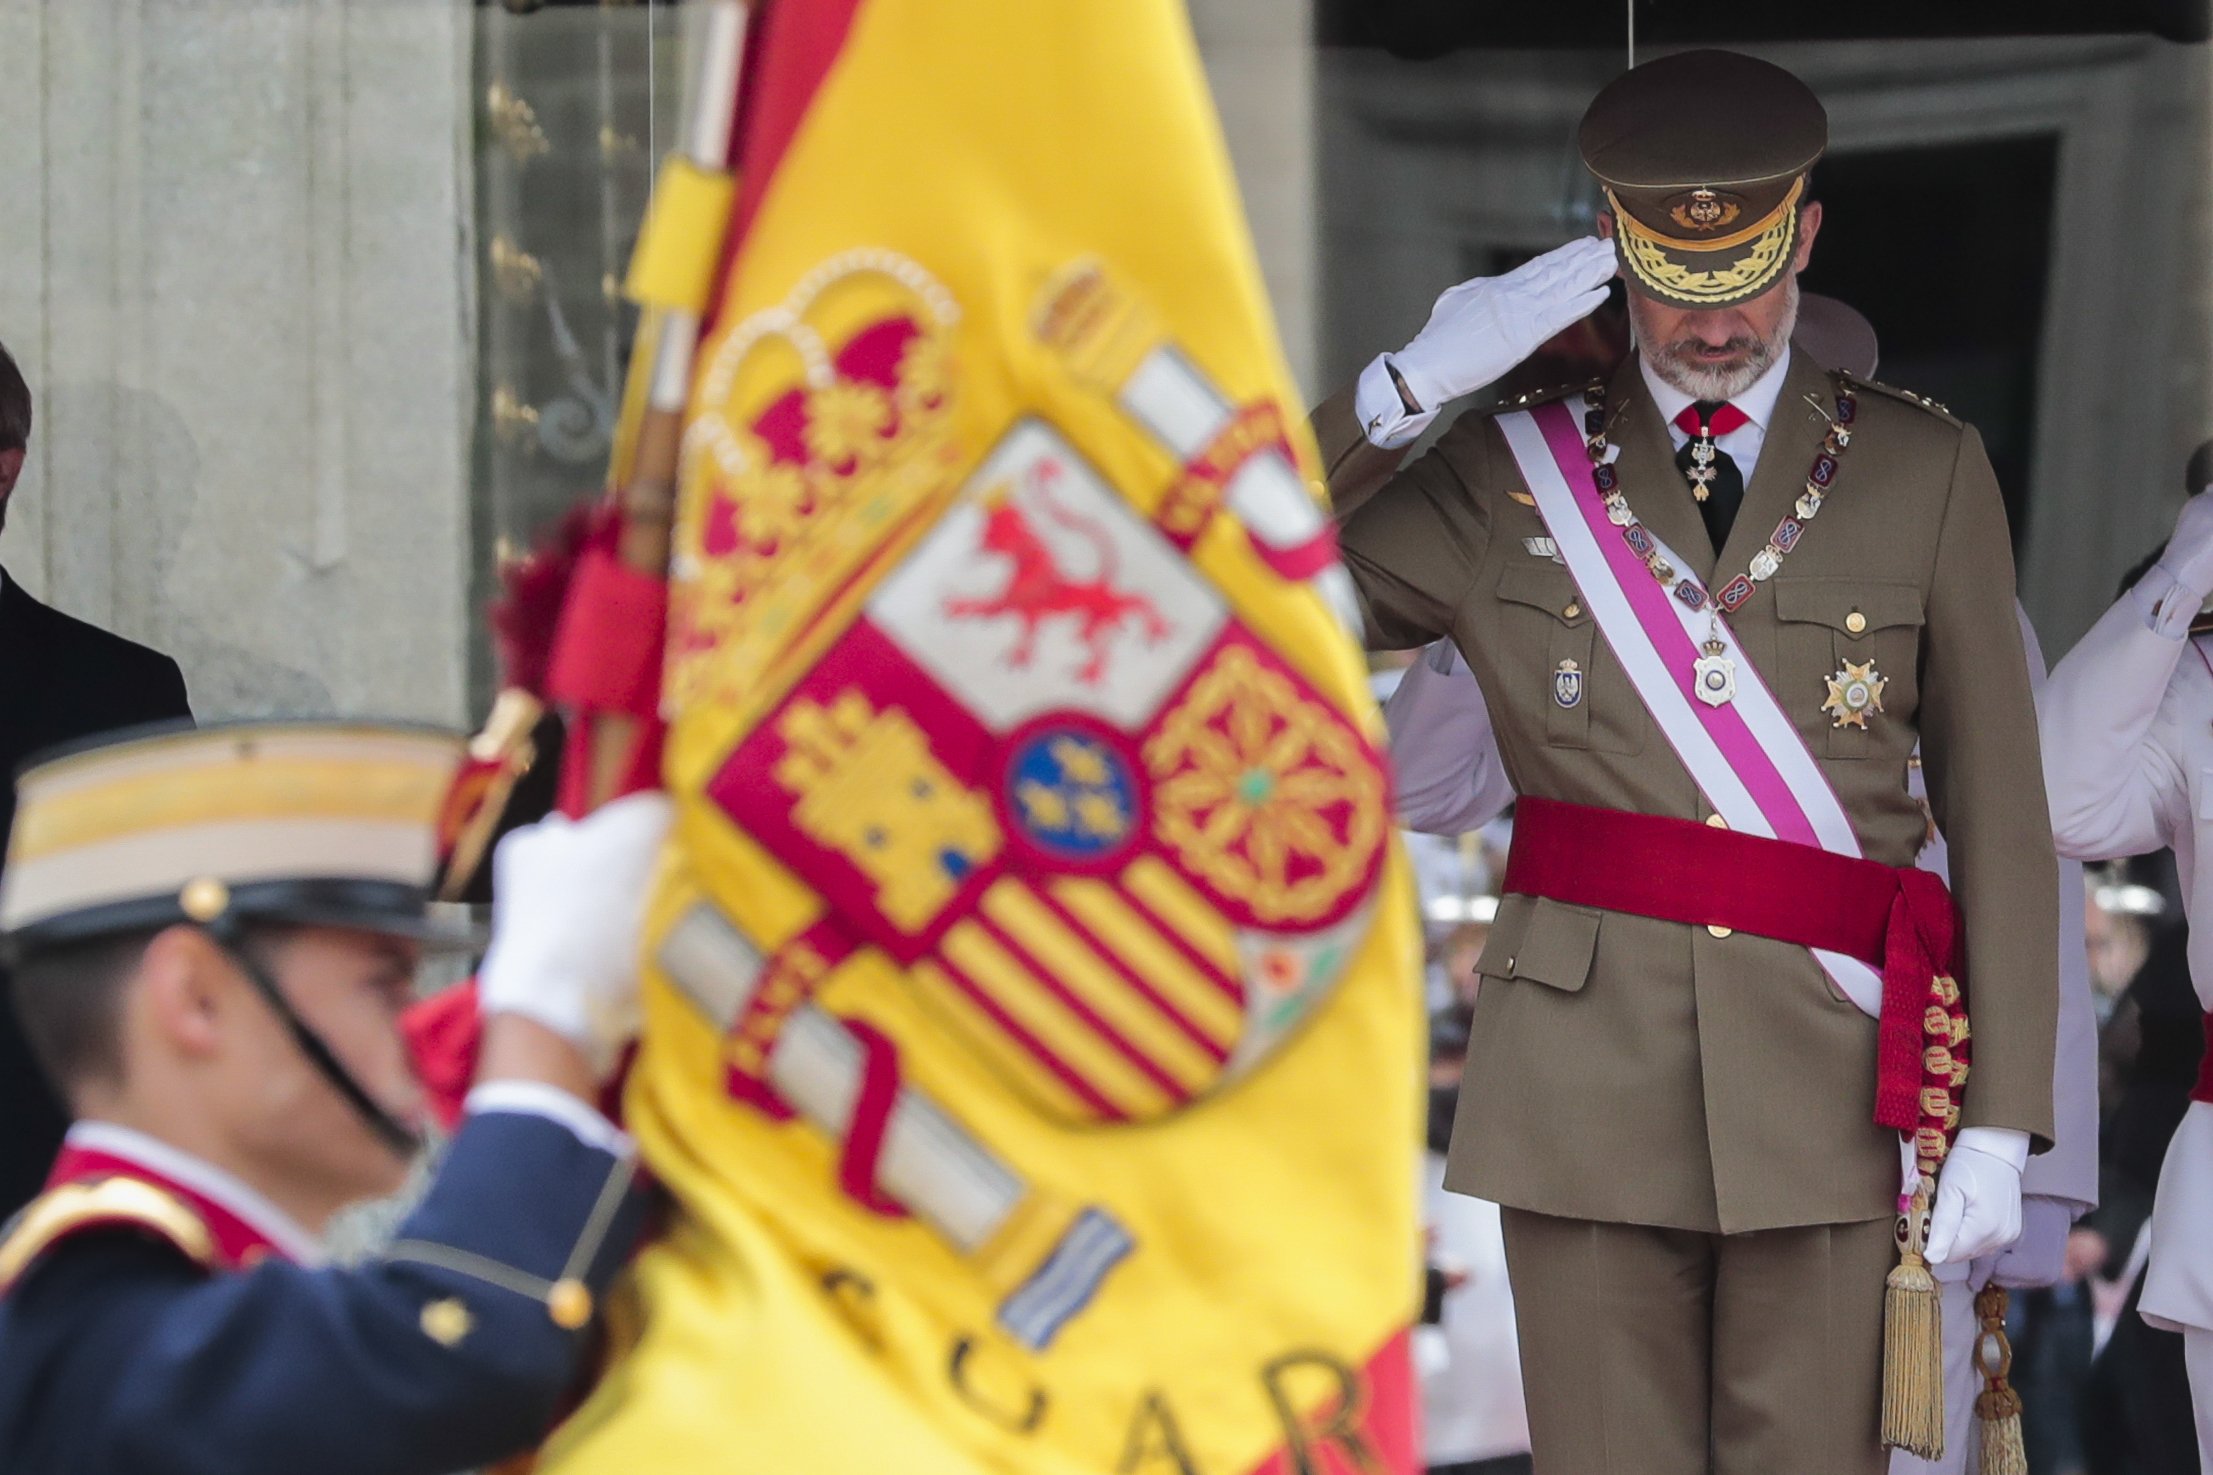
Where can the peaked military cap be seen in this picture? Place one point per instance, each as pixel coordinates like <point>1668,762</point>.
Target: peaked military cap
<point>1703,156</point>
<point>314,823</point>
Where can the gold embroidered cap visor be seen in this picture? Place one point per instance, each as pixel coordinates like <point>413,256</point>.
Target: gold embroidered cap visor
<point>1703,156</point>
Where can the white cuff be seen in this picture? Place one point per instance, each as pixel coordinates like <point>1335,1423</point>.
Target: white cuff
<point>536,1098</point>
<point>2003,1143</point>
<point>2166,606</point>
<point>1384,418</point>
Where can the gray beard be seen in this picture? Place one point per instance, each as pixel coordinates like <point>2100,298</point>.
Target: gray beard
<point>1717,384</point>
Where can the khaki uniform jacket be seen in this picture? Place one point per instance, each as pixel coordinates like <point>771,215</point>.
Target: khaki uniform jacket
<point>1636,1071</point>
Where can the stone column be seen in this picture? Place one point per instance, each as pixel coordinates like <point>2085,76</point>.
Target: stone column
<point>236,272</point>
<point>1259,57</point>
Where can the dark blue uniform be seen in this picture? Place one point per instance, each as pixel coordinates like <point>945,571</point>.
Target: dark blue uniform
<point>123,1352</point>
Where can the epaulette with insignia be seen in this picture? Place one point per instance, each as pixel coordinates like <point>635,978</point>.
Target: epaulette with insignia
<point>77,1208</point>
<point>1918,401</point>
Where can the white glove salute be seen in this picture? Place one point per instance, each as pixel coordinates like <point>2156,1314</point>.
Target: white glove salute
<point>2189,556</point>
<point>1978,1195</point>
<point>1481,329</point>
<point>568,909</point>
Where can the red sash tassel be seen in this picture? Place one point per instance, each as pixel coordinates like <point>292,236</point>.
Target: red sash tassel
<point>1899,919</point>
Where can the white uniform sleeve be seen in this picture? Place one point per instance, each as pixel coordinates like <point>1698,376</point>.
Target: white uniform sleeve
<point>2109,784</point>
<point>2069,1172</point>
<point>1450,777</point>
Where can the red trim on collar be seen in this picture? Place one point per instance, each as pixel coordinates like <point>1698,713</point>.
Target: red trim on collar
<point>238,1243</point>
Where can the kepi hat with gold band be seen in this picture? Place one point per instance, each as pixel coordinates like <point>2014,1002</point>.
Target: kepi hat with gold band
<point>329,824</point>
<point>307,823</point>
<point>1703,156</point>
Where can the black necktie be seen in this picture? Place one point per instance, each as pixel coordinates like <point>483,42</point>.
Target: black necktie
<point>1725,487</point>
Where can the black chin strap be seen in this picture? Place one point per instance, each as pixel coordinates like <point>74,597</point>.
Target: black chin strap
<point>393,1133</point>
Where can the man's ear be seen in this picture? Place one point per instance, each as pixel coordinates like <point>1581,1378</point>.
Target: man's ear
<point>1605,225</point>
<point>11,467</point>
<point>1809,226</point>
<point>188,987</point>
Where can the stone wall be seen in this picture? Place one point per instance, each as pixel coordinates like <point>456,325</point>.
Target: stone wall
<point>234,268</point>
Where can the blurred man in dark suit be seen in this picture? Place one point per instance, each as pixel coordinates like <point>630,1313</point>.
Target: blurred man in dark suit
<point>61,680</point>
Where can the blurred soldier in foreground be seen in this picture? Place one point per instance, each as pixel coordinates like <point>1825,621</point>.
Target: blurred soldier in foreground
<point>214,934</point>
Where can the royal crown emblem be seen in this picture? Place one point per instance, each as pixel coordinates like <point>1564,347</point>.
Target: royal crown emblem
<point>1704,210</point>
<point>821,421</point>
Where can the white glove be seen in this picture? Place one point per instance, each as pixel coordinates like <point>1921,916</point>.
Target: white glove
<point>2039,1256</point>
<point>1480,329</point>
<point>568,905</point>
<point>1978,1195</point>
<point>2189,556</point>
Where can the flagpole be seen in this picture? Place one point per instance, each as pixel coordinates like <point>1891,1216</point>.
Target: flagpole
<point>647,494</point>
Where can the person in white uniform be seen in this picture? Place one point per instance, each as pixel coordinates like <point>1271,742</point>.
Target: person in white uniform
<point>2127,726</point>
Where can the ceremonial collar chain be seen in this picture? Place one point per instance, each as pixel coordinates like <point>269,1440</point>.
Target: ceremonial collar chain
<point>1733,595</point>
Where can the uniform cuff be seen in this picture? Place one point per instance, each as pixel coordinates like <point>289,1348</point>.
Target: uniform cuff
<point>1383,415</point>
<point>535,1098</point>
<point>2166,606</point>
<point>2002,1143</point>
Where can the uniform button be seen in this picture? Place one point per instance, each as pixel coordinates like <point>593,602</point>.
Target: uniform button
<point>1720,931</point>
<point>569,1304</point>
<point>1717,821</point>
<point>1510,962</point>
<point>1855,622</point>
<point>1571,612</point>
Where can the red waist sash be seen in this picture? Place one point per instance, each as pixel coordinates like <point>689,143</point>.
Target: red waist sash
<point>1899,919</point>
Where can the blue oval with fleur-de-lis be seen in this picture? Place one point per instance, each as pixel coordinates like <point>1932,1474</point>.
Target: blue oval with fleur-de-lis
<point>1567,684</point>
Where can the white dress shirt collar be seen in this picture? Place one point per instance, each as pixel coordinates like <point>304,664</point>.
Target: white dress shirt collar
<point>1757,402</point>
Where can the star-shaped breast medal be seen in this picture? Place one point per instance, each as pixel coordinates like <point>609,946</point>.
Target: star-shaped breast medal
<point>1855,694</point>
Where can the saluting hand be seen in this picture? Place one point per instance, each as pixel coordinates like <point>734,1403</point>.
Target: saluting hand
<point>1479,330</point>
<point>2189,556</point>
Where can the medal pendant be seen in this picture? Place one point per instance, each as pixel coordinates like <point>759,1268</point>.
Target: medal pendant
<point>1714,676</point>
<point>1855,694</point>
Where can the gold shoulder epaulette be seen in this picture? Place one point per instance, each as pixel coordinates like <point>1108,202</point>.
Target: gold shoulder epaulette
<point>61,1212</point>
<point>1918,401</point>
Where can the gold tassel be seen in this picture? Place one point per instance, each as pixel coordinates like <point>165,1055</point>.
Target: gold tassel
<point>1998,1406</point>
<point>1913,1342</point>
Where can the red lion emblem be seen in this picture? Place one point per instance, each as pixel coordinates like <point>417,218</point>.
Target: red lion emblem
<point>1039,589</point>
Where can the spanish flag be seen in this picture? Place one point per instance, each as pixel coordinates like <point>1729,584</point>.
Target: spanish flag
<point>1032,1007</point>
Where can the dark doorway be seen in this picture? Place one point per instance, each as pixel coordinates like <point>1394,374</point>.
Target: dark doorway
<point>1947,251</point>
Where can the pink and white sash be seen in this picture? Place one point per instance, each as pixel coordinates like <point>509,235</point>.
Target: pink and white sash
<point>1746,755</point>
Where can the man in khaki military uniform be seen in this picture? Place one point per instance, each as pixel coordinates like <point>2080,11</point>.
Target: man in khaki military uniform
<point>1672,1094</point>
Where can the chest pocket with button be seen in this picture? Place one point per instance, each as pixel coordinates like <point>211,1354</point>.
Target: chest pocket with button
<point>1826,624</point>
<point>1552,650</point>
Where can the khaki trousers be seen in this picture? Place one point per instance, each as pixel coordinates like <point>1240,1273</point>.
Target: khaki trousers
<point>1670,1352</point>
